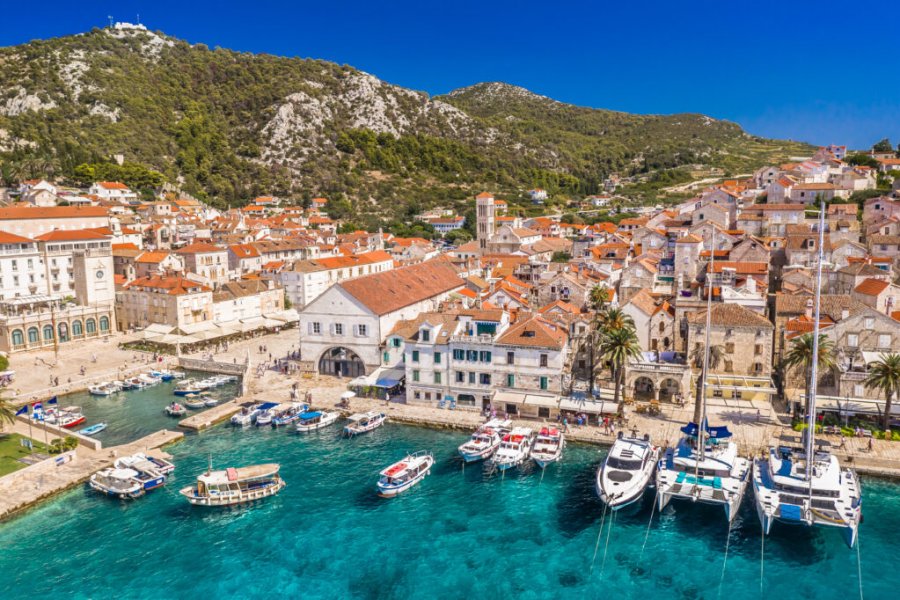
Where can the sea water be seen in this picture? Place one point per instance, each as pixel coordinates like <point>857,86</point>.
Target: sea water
<point>464,532</point>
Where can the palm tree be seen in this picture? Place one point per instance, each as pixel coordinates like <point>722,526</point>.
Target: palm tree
<point>884,374</point>
<point>698,354</point>
<point>7,412</point>
<point>599,297</point>
<point>612,319</point>
<point>800,356</point>
<point>617,346</point>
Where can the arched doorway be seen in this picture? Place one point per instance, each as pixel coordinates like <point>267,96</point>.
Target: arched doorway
<point>341,362</point>
<point>668,388</point>
<point>643,388</point>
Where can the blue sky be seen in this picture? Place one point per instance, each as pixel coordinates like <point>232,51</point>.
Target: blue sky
<point>821,72</point>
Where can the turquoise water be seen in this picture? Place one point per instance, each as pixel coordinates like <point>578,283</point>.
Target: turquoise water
<point>459,534</point>
<point>133,414</point>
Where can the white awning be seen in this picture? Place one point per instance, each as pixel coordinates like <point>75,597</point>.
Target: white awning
<point>871,357</point>
<point>541,400</point>
<point>589,405</point>
<point>852,406</point>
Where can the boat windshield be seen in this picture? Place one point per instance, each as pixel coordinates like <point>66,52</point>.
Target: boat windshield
<point>623,464</point>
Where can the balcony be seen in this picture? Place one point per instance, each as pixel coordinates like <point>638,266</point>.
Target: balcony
<point>481,339</point>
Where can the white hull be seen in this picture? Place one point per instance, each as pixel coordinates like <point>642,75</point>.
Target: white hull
<point>327,419</point>
<point>703,494</point>
<point>357,429</point>
<point>387,489</point>
<point>233,498</point>
<point>471,454</point>
<point>618,486</point>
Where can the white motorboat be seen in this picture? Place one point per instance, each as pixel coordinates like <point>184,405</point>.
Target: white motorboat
<point>68,417</point>
<point>133,383</point>
<point>364,422</point>
<point>187,386</point>
<point>485,441</point>
<point>313,420</point>
<point>194,401</point>
<point>151,472</point>
<point>627,471</point>
<point>118,483</point>
<point>235,485</point>
<point>175,410</point>
<point>404,474</point>
<point>789,489</point>
<point>515,447</point>
<point>208,399</point>
<point>148,380</point>
<point>265,417</point>
<point>250,412</point>
<point>287,415</point>
<point>705,468</point>
<point>548,446</point>
<point>105,388</point>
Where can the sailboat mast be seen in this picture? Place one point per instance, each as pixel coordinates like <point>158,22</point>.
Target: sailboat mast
<point>811,430</point>
<point>709,294</point>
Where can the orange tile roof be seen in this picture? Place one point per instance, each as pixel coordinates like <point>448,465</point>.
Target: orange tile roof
<point>484,195</point>
<point>244,250</point>
<point>386,292</point>
<point>534,332</point>
<point>76,234</point>
<point>125,247</point>
<point>51,212</point>
<point>11,238</point>
<point>112,185</point>
<point>689,239</point>
<point>199,248</point>
<point>152,258</point>
<point>871,287</point>
<point>744,268</point>
<point>174,285</point>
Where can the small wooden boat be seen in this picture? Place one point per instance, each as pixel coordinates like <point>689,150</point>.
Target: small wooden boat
<point>69,417</point>
<point>548,446</point>
<point>186,387</point>
<point>106,388</point>
<point>194,401</point>
<point>404,474</point>
<point>364,422</point>
<point>93,429</point>
<point>235,485</point>
<point>310,421</point>
<point>176,410</point>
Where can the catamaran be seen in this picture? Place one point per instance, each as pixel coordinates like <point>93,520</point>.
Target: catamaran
<point>485,441</point>
<point>404,474</point>
<point>364,422</point>
<point>515,447</point>
<point>234,485</point>
<point>704,468</point>
<point>807,486</point>
<point>548,446</point>
<point>627,471</point>
<point>313,420</point>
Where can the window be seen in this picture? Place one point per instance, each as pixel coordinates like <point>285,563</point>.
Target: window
<point>437,377</point>
<point>315,328</point>
<point>472,378</point>
<point>386,357</point>
<point>757,368</point>
<point>362,330</point>
<point>77,330</point>
<point>510,358</point>
<point>884,340</point>
<point>91,326</point>
<point>428,395</point>
<point>437,358</point>
<point>510,380</point>
<point>543,383</point>
<point>417,395</point>
<point>425,335</point>
<point>396,342</point>
<point>736,394</point>
<point>858,390</point>
<point>485,356</point>
<point>34,336</point>
<point>852,340</point>
<point>729,366</point>
<point>458,355</point>
<point>870,323</point>
<point>338,329</point>
<point>416,375</point>
<point>104,323</point>
<point>543,360</point>
<point>717,393</point>
<point>543,412</point>
<point>758,349</point>
<point>485,379</point>
<point>415,356</point>
<point>18,339</point>
<point>48,332</point>
<point>460,377</point>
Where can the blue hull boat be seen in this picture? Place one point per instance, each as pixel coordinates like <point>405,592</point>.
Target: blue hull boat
<point>93,429</point>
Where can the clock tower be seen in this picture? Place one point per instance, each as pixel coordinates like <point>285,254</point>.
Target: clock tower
<point>93,274</point>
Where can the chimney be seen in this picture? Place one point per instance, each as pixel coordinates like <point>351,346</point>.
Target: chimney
<point>809,308</point>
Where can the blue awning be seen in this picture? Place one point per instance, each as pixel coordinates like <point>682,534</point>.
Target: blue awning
<point>309,415</point>
<point>718,433</point>
<point>267,405</point>
<point>386,382</point>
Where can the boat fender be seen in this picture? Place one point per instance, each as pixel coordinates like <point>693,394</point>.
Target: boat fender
<point>619,436</point>
<point>646,437</point>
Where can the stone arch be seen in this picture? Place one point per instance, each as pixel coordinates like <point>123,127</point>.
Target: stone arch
<point>342,362</point>
<point>668,388</point>
<point>644,388</point>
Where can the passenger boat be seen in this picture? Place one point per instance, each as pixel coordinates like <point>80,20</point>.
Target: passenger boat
<point>176,410</point>
<point>627,471</point>
<point>703,468</point>
<point>151,472</point>
<point>148,380</point>
<point>235,485</point>
<point>515,447</point>
<point>364,422</point>
<point>93,429</point>
<point>194,401</point>
<point>133,383</point>
<point>105,388</point>
<point>69,417</point>
<point>265,417</point>
<point>485,441</point>
<point>118,483</point>
<point>404,474</point>
<point>312,420</point>
<point>548,446</point>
